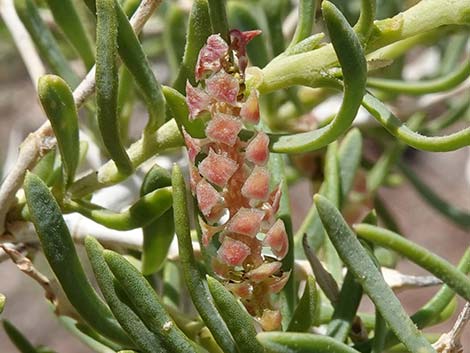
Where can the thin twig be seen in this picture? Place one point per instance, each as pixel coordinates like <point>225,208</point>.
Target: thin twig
<point>22,40</point>
<point>450,342</point>
<point>36,142</point>
<point>27,267</point>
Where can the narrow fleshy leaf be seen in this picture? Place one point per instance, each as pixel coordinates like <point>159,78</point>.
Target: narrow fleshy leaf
<point>60,252</point>
<point>144,339</point>
<point>107,84</point>
<point>289,342</point>
<point>353,64</point>
<point>438,266</point>
<point>45,41</point>
<point>148,208</point>
<point>306,311</point>
<point>199,29</point>
<point>147,304</point>
<point>57,101</point>
<point>197,287</point>
<point>159,234</point>
<point>366,273</point>
<point>66,16</point>
<point>239,322</point>
<point>17,338</point>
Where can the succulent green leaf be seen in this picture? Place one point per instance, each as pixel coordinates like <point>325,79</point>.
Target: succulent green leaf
<point>289,342</point>
<point>419,255</point>
<point>130,321</point>
<point>307,11</point>
<point>147,304</point>
<point>345,309</point>
<point>439,84</point>
<point>398,129</point>
<point>148,208</point>
<point>159,234</point>
<point>218,15</point>
<point>365,24</point>
<point>349,159</point>
<point>17,338</point>
<point>307,309</point>
<point>57,101</point>
<point>60,252</point>
<point>66,16</point>
<point>107,84</point>
<point>353,64</point>
<point>238,321</point>
<point>194,279</point>
<point>175,36</point>
<point>361,265</point>
<point>199,28</point>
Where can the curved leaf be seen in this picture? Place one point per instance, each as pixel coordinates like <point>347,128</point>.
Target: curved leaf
<point>60,252</point>
<point>57,101</point>
<point>353,64</point>
<point>361,265</point>
<point>144,339</point>
<point>419,255</point>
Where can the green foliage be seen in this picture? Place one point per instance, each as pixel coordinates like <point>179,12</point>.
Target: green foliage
<point>165,286</point>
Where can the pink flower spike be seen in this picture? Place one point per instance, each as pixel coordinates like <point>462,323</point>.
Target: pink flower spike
<point>250,109</point>
<point>257,185</point>
<point>194,178</point>
<point>223,87</point>
<point>210,56</point>
<point>217,168</point>
<point>246,221</point>
<point>193,145</point>
<point>276,238</point>
<point>275,199</point>
<point>264,271</point>
<point>197,100</point>
<point>224,128</point>
<point>239,40</point>
<point>233,252</point>
<point>207,197</point>
<point>257,150</point>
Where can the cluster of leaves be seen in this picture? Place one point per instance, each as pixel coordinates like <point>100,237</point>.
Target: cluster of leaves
<point>143,306</point>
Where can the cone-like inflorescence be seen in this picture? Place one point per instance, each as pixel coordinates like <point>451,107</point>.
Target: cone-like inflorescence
<point>230,180</point>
